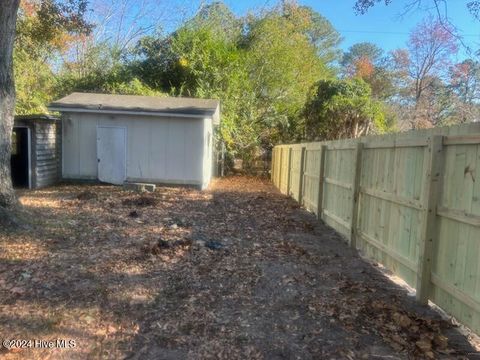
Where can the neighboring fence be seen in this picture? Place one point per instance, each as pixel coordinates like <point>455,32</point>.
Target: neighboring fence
<point>410,201</point>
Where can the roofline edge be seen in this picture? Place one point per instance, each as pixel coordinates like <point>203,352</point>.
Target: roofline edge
<point>126,112</point>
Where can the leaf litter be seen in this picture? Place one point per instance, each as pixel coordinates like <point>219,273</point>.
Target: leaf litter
<point>238,271</point>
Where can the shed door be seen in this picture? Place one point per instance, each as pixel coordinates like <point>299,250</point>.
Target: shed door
<point>111,154</point>
<point>20,160</point>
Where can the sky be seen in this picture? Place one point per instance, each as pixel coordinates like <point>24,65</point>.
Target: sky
<point>386,26</point>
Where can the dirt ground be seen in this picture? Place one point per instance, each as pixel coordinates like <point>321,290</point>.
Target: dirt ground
<point>235,272</point>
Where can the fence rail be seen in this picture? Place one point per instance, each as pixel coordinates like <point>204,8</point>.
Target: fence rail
<point>410,201</point>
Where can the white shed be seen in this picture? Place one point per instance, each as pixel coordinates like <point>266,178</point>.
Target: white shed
<point>126,138</point>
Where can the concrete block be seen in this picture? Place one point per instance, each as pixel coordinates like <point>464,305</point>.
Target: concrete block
<point>140,187</point>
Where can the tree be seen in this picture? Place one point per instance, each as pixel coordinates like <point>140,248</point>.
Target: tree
<point>319,31</point>
<point>36,48</point>
<point>430,48</point>
<point>342,109</point>
<point>367,61</point>
<point>8,17</point>
<point>210,65</point>
<point>283,63</point>
<point>155,63</point>
<point>438,105</point>
<point>261,74</point>
<point>362,6</point>
<point>360,51</point>
<point>218,18</point>
<point>260,67</point>
<point>67,15</point>
<point>465,84</point>
<point>120,23</point>
<point>465,79</point>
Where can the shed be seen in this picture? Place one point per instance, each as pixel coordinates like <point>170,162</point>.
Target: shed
<point>127,138</point>
<point>36,151</point>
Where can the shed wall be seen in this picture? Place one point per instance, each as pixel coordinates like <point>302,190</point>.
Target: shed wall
<point>159,149</point>
<point>47,145</point>
<point>208,152</point>
<point>45,150</point>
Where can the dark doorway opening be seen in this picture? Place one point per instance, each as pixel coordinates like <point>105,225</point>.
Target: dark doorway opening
<point>20,157</point>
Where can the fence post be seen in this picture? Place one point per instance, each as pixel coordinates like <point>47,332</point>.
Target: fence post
<point>272,168</point>
<point>278,158</point>
<point>289,170</point>
<point>435,159</point>
<point>356,195</point>
<point>300,181</point>
<point>280,168</point>
<point>321,181</point>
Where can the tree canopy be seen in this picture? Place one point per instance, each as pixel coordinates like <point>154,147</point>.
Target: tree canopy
<point>267,68</point>
<point>343,109</point>
<point>44,29</point>
<point>260,67</point>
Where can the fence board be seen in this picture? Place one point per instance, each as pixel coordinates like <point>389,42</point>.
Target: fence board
<point>393,216</point>
<point>295,172</point>
<point>311,178</point>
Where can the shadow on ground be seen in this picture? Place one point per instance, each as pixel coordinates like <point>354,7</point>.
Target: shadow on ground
<point>239,271</point>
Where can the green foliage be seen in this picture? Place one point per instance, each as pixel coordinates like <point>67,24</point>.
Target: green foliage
<point>34,83</point>
<point>207,62</point>
<point>366,60</point>
<point>210,65</point>
<point>133,87</point>
<point>101,68</point>
<point>260,69</point>
<point>283,64</point>
<point>109,83</point>
<point>343,109</point>
<point>362,50</point>
<point>319,31</point>
<point>155,63</point>
<point>61,15</point>
<point>219,19</point>
<point>44,29</point>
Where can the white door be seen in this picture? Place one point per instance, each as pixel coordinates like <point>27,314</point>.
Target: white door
<point>111,154</point>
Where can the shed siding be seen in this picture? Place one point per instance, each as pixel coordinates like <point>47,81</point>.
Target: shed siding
<point>47,161</point>
<point>87,142</point>
<point>208,152</point>
<point>162,150</point>
<point>58,128</point>
<point>71,149</point>
<point>45,149</point>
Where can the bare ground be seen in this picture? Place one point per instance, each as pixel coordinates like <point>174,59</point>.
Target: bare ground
<point>236,272</point>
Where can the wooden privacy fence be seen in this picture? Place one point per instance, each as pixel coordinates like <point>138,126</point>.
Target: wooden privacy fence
<point>410,201</point>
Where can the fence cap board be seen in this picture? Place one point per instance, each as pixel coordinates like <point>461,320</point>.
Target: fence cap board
<point>410,138</point>
<point>461,140</point>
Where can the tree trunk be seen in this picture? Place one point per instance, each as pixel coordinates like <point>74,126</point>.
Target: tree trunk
<point>8,17</point>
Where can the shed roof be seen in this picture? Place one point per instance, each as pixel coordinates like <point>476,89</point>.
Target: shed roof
<point>36,117</point>
<point>135,104</point>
